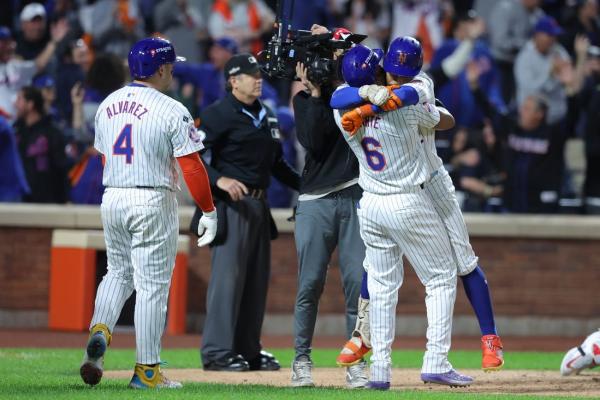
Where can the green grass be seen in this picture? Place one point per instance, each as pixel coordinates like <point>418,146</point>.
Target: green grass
<point>54,374</point>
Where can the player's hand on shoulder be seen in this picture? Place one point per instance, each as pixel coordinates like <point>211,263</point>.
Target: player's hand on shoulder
<point>233,187</point>
<point>207,228</point>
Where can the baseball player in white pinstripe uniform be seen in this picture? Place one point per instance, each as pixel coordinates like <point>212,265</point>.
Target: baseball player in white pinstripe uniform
<point>442,194</point>
<point>140,133</point>
<point>405,230</point>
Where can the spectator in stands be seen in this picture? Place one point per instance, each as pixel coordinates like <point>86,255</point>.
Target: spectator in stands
<point>369,17</point>
<point>543,67</point>
<point>33,37</point>
<point>73,66</point>
<point>509,29</point>
<point>47,86</point>
<point>114,25</point>
<point>208,78</point>
<point>184,23</point>
<point>14,73</point>
<point>478,169</point>
<point>590,103</point>
<point>534,153</point>
<point>456,94</point>
<point>106,75</point>
<point>586,22</point>
<point>13,185</point>
<point>484,9</point>
<point>42,149</point>
<point>420,19</point>
<point>85,176</point>
<point>309,12</point>
<point>243,20</point>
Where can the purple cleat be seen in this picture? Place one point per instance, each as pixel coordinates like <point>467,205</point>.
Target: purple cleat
<point>450,378</point>
<point>378,385</point>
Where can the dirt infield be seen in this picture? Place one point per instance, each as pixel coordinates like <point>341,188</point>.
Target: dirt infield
<point>538,383</point>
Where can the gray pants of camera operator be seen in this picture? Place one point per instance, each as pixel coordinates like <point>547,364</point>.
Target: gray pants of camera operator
<point>321,225</point>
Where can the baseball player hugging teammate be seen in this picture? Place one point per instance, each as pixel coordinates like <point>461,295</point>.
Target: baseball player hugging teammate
<point>140,133</point>
<point>398,218</point>
<point>402,64</point>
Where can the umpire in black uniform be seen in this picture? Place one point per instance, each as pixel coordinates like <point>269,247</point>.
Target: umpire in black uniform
<point>242,152</point>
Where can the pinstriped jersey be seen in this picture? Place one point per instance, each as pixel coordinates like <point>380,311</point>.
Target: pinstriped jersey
<point>424,86</point>
<point>140,131</point>
<point>389,149</point>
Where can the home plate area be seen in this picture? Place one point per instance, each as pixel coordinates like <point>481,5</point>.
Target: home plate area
<point>529,382</point>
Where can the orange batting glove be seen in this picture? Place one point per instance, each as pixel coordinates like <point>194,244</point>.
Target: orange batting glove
<point>353,120</point>
<point>394,102</point>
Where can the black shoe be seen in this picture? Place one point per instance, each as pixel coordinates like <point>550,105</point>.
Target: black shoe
<point>264,362</point>
<point>231,364</point>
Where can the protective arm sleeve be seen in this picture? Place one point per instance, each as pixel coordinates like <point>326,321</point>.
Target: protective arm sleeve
<point>348,97</point>
<point>196,179</point>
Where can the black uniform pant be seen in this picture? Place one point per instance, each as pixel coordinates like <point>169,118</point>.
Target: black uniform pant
<point>237,290</point>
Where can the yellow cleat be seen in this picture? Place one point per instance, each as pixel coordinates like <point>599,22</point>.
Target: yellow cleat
<point>151,377</point>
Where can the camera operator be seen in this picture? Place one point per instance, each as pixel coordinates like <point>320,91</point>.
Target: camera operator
<point>325,218</point>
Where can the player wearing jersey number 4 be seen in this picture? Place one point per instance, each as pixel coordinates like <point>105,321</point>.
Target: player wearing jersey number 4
<point>441,192</point>
<point>140,133</point>
<point>397,218</point>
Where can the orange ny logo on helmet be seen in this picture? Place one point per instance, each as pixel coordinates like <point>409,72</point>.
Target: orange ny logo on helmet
<point>402,57</point>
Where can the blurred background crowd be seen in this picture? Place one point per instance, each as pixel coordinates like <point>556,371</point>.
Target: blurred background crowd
<point>523,82</point>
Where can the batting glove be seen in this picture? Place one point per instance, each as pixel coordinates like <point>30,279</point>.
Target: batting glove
<point>374,94</point>
<point>353,120</point>
<point>393,102</point>
<point>365,90</point>
<point>207,228</point>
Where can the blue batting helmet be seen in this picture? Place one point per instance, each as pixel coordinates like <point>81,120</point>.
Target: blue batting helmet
<point>148,54</point>
<point>404,57</point>
<point>359,65</point>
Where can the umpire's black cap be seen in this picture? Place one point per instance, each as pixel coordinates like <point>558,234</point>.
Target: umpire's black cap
<point>244,63</point>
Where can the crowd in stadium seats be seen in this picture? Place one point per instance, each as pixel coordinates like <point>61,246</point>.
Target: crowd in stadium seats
<point>522,79</point>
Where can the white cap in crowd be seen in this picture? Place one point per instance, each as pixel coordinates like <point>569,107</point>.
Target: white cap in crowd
<point>33,10</point>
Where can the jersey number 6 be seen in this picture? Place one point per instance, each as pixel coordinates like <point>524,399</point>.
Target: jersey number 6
<point>375,159</point>
<point>122,146</point>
